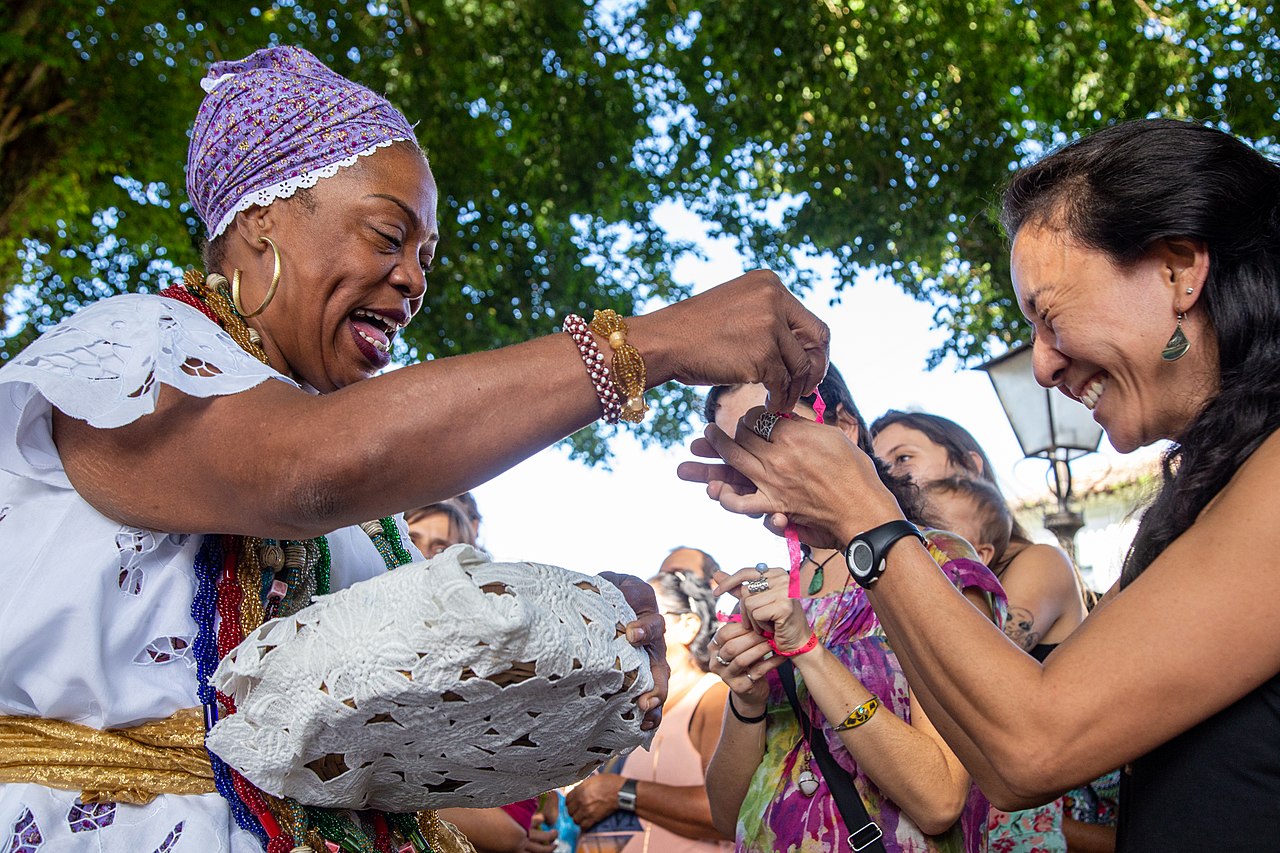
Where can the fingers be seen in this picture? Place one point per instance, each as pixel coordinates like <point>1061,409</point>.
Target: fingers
<point>651,702</point>
<point>648,631</point>
<point>815,338</point>
<point>732,582</point>
<point>734,453</point>
<point>796,362</point>
<point>743,662</point>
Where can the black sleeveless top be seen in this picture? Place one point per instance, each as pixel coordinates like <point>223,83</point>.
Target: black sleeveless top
<point>1214,787</point>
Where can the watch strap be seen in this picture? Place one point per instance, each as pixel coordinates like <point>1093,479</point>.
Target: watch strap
<point>627,795</point>
<point>878,540</point>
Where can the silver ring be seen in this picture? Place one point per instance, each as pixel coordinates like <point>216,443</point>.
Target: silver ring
<point>722,661</point>
<point>757,585</point>
<point>764,424</point>
<point>767,655</point>
<point>750,677</point>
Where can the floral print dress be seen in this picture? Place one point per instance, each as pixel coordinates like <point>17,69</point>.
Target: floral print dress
<point>776,817</point>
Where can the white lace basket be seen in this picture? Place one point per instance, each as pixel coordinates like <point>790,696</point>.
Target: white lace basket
<point>453,682</point>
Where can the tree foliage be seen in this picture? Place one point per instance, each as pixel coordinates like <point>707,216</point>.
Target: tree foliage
<point>889,126</point>
<point>882,129</point>
<point>528,111</point>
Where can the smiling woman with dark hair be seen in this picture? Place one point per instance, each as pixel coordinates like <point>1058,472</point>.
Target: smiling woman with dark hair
<point>1146,257</point>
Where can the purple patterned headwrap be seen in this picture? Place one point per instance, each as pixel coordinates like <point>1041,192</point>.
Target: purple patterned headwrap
<point>275,122</point>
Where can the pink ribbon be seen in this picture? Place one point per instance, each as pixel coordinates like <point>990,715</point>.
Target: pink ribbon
<point>792,537</point>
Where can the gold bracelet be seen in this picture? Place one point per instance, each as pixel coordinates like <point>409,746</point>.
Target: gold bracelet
<point>627,367</point>
<point>859,715</point>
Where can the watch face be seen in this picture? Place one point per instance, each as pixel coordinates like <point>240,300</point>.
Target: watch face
<point>860,558</point>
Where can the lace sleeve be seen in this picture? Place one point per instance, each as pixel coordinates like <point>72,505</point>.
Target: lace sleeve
<point>105,365</point>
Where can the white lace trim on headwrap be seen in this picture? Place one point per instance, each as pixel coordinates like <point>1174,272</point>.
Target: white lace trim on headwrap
<point>289,186</point>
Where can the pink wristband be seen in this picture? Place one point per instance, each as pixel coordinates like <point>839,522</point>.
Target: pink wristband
<point>610,403</point>
<point>809,646</point>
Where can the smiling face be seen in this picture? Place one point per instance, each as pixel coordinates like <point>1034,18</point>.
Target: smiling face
<point>353,257</point>
<point>1100,329</point>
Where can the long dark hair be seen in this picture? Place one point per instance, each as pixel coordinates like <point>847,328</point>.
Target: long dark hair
<point>1120,190</point>
<point>836,394</point>
<point>683,592</point>
<point>959,443</point>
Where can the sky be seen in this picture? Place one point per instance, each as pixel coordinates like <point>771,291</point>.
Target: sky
<point>553,510</point>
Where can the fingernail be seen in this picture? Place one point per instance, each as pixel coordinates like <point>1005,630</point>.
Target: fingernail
<point>651,703</point>
<point>635,635</point>
<point>647,724</point>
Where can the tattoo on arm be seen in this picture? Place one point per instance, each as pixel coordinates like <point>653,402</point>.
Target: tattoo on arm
<point>1020,627</point>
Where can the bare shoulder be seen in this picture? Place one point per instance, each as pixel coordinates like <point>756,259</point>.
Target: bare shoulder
<point>1040,574</point>
<point>1040,560</point>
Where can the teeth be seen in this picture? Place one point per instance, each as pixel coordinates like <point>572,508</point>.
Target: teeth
<point>390,325</point>
<point>377,344</point>
<point>1092,392</point>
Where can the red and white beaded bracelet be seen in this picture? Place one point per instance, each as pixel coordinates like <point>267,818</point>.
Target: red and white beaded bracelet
<point>578,329</point>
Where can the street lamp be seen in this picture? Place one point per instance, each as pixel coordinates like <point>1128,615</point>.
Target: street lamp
<point>1050,426</point>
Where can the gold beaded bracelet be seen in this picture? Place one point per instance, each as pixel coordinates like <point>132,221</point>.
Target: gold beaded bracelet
<point>627,367</point>
<point>859,715</point>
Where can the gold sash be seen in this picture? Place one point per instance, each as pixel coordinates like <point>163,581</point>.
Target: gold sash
<point>131,765</point>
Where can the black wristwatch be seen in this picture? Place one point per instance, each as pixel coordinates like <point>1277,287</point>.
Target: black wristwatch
<point>867,551</point>
<point>627,796</point>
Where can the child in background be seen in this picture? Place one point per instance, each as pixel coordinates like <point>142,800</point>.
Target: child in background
<point>974,509</point>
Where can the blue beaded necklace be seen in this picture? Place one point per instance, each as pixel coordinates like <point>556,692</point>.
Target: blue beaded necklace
<point>208,566</point>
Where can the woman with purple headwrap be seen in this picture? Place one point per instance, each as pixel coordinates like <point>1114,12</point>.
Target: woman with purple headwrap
<point>163,448</point>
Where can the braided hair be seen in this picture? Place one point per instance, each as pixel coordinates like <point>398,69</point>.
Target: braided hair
<point>683,592</point>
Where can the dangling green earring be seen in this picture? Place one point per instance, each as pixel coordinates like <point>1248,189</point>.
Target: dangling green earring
<point>1178,343</point>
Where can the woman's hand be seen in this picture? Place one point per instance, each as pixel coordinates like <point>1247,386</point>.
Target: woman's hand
<point>594,798</point>
<point>771,609</point>
<point>647,631</point>
<point>539,840</point>
<point>805,473</point>
<point>750,329</point>
<point>742,658</point>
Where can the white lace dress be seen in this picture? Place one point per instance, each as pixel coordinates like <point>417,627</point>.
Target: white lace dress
<point>95,622</point>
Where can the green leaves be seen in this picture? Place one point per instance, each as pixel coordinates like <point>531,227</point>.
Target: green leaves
<point>891,126</point>
<point>879,131</point>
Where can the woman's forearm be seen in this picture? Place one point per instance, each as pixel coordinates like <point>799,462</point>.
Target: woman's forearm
<point>909,766</point>
<point>682,809</point>
<point>916,605</point>
<point>278,462</point>
<point>729,774</point>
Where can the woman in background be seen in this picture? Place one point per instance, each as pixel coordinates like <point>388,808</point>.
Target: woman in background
<point>766,785</point>
<point>665,785</point>
<point>1045,594</point>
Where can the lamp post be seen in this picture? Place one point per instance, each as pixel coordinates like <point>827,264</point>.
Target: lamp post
<point>1050,426</point>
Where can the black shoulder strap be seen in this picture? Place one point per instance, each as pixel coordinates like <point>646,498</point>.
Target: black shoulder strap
<point>864,834</point>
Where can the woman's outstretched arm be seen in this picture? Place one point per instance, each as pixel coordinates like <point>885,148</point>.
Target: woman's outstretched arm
<point>1189,637</point>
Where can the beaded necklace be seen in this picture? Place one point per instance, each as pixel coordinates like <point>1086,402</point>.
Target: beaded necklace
<point>241,582</point>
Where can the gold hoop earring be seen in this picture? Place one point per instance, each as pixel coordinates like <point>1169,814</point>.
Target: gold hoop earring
<point>1178,343</point>
<point>271,291</point>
